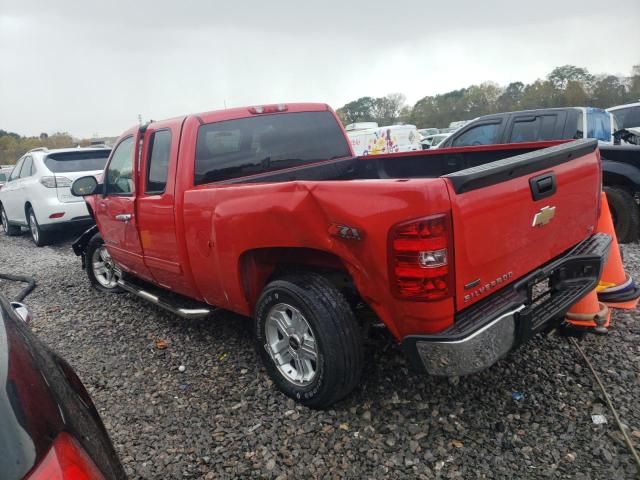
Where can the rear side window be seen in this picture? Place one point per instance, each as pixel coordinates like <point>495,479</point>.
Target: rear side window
<point>80,161</point>
<point>628,117</point>
<point>479,135</point>
<point>27,167</point>
<point>253,145</point>
<point>158,164</point>
<point>534,129</point>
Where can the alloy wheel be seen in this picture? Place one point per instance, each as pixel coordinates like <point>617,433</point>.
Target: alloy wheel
<point>104,268</point>
<point>291,344</point>
<point>33,227</point>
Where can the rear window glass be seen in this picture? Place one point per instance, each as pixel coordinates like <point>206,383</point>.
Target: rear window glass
<point>253,145</point>
<point>539,128</point>
<point>599,125</point>
<point>80,161</point>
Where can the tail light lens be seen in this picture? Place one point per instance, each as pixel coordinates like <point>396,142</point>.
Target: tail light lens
<point>53,182</point>
<point>66,460</point>
<point>420,259</point>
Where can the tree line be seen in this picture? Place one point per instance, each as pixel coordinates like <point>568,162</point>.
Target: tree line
<point>565,86</point>
<point>13,146</point>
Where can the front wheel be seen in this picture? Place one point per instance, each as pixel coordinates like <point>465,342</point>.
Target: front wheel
<point>9,230</point>
<point>309,339</point>
<point>100,267</point>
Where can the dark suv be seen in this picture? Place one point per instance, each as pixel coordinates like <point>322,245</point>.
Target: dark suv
<point>620,163</point>
<point>535,126</point>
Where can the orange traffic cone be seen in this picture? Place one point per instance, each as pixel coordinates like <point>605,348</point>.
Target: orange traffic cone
<point>616,288</point>
<point>590,313</point>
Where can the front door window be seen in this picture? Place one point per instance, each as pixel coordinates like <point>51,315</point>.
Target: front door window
<point>119,177</point>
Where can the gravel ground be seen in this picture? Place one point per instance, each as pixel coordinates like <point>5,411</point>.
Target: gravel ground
<point>222,417</point>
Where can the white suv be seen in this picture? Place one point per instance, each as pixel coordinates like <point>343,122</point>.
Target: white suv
<point>37,194</point>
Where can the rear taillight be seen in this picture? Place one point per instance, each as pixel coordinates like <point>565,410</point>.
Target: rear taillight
<point>53,182</point>
<point>419,259</point>
<point>268,109</point>
<point>66,460</point>
<point>49,182</point>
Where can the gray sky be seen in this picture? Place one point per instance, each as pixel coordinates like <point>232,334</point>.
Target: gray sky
<point>91,67</point>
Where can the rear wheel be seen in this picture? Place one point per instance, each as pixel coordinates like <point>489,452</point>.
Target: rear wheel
<point>100,267</point>
<point>9,230</point>
<point>624,213</point>
<point>309,339</point>
<point>39,237</point>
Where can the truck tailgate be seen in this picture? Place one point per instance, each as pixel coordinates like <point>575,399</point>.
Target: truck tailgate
<point>514,215</point>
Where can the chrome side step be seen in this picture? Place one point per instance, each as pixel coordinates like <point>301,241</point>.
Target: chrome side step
<point>188,313</point>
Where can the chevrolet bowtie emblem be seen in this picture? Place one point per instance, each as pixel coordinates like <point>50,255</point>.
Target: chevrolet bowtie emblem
<point>544,216</point>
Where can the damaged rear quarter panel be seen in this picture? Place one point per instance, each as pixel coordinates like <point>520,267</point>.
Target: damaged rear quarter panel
<point>224,222</point>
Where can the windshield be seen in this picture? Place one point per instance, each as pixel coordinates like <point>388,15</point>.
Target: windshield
<point>599,124</point>
<point>80,161</point>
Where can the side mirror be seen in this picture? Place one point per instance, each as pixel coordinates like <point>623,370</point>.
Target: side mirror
<point>84,186</point>
<point>23,312</point>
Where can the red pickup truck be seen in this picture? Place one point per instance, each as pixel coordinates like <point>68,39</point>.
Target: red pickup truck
<point>463,254</point>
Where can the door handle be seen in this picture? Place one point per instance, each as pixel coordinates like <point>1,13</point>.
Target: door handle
<point>124,217</point>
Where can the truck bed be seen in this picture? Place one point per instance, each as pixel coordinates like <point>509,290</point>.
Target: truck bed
<point>422,164</point>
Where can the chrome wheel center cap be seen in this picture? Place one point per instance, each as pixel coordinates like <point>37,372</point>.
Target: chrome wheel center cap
<point>294,342</point>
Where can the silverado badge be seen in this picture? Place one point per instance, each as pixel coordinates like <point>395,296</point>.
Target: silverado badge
<point>544,216</point>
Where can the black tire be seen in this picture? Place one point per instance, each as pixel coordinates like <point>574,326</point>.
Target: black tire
<point>338,339</point>
<point>624,212</point>
<point>9,230</point>
<point>39,236</point>
<point>94,244</point>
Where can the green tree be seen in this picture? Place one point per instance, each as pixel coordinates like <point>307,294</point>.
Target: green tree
<point>608,91</point>
<point>509,100</point>
<point>540,94</point>
<point>481,99</point>
<point>574,95</point>
<point>360,110</point>
<point>386,110</point>
<point>561,76</point>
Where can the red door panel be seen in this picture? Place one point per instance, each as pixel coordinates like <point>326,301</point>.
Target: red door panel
<point>116,210</point>
<point>156,206</point>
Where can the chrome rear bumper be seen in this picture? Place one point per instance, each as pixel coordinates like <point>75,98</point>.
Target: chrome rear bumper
<point>489,329</point>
